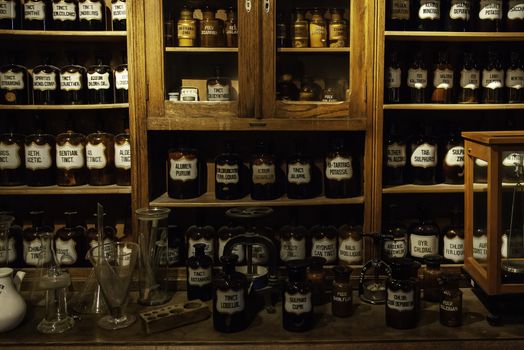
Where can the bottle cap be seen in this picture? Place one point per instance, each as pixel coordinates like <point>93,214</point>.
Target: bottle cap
<point>433,260</point>
<point>342,273</point>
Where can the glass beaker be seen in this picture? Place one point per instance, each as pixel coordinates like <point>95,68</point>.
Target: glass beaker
<point>153,250</point>
<point>5,248</point>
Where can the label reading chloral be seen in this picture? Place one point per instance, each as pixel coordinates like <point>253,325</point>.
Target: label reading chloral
<point>424,156</point>
<point>350,250</point>
<point>417,78</point>
<point>64,11</point>
<point>515,78</point>
<point>38,157</point>
<point>470,79</point>
<point>493,79</point>
<point>515,9</point>
<point>339,168</point>
<point>96,156</point>
<point>122,80</point>
<point>123,156</point>
<point>455,156</point>
<point>71,81</point>
<point>429,9</point>
<point>396,248</point>
<point>400,301</point>
<point>490,9</point>
<point>459,9</point>
<point>298,173</point>
<point>34,11</point>
<point>118,9</point>
<point>70,156</point>
<point>292,249</point>
<point>183,169</point>
<point>7,9</point>
<point>400,9</point>
<point>396,154</point>
<point>263,174</point>
<point>97,81</point>
<point>443,79</point>
<point>90,11</point>
<point>227,174</point>
<point>230,301</point>
<point>43,81</point>
<point>393,78</point>
<point>12,80</point>
<point>325,248</point>
<point>480,247</point>
<point>199,277</point>
<point>66,251</point>
<point>9,156</point>
<point>423,245</point>
<point>297,303</point>
<point>8,255</point>
<point>454,249</point>
<point>209,249</point>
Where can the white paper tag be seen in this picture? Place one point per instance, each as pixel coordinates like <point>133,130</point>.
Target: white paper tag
<point>455,156</point>
<point>97,81</point>
<point>123,155</point>
<point>515,9</point>
<point>459,9</point>
<point>298,173</point>
<point>298,303</point>
<point>429,9</point>
<point>339,168</point>
<point>424,156</point>
<point>69,156</point>
<point>12,80</point>
<point>325,248</point>
<point>423,245</point>
<point>292,249</point>
<point>515,78</point>
<point>470,79</point>
<point>493,79</point>
<point>199,276</point>
<point>90,11</point>
<point>43,81</point>
<point>34,11</point>
<point>96,157</point>
<point>230,302</point>
<point>183,169</point>
<point>263,174</point>
<point>66,253</point>
<point>417,78</point>
<point>9,156</point>
<point>443,79</point>
<point>490,9</point>
<point>71,81</point>
<point>118,9</point>
<point>396,154</point>
<point>454,249</point>
<point>400,301</point>
<point>38,157</point>
<point>122,80</point>
<point>227,174</point>
<point>7,9</point>
<point>350,251</point>
<point>393,78</point>
<point>64,11</point>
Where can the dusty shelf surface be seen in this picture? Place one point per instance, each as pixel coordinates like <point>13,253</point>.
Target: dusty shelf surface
<point>364,330</point>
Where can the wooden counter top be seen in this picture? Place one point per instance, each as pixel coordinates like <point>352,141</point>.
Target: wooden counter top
<point>364,330</point>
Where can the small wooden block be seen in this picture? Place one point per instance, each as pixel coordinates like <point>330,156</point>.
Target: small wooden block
<point>173,315</point>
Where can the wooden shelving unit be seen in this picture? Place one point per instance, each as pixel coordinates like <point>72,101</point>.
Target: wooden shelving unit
<point>313,49</point>
<point>59,35</point>
<point>63,107</point>
<point>201,49</point>
<point>454,107</point>
<point>452,36</point>
<point>60,190</point>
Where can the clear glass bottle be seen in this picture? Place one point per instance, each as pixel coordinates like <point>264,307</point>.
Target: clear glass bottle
<point>65,14</point>
<point>264,173</point>
<point>218,87</point>
<point>339,172</point>
<point>469,80</point>
<point>185,173</point>
<point>317,29</point>
<point>229,170</point>
<point>402,303</point>
<point>350,244</point>
<point>70,244</point>
<point>14,83</point>
<point>122,81</point>
<point>72,82</point>
<point>92,14</point>
<point>299,30</point>
<point>10,14</point>
<point>515,77</point>
<point>70,157</point>
<point>199,274</point>
<point>493,79</point>
<point>342,292</point>
<point>36,14</point>
<point>338,29</point>
<point>429,15</point>
<point>39,156</point>
<point>442,79</point>
<point>417,80</point>
<point>100,82</point>
<point>187,28</point>
<point>231,28</point>
<point>12,154</point>
<point>100,158</point>
<point>431,275</point>
<point>119,14</point>
<point>297,303</point>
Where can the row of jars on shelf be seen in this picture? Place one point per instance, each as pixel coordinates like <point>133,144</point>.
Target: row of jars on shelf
<point>442,82</point>
<point>69,159</point>
<point>264,179</point>
<point>309,89</point>
<point>62,14</point>
<point>46,84</point>
<point>455,15</point>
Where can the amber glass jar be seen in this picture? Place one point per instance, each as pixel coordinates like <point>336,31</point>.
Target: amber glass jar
<point>317,30</point>
<point>100,85</point>
<point>231,28</point>
<point>92,14</point>
<point>46,82</point>
<point>301,177</point>
<point>424,237</point>
<point>100,160</point>
<point>70,158</point>
<point>199,275</point>
<point>299,30</point>
<point>489,15</point>
<point>393,79</point>
<point>297,304</point>
<point>211,29</point>
<point>342,293</point>
<point>493,79</point>
<point>185,172</point>
<point>399,14</point>
<point>72,82</point>
<point>423,159</point>
<point>442,80</point>
<point>469,80</point>
<point>450,300</point>
<point>395,158</point>
<point>515,77</point>
<point>417,80</point>
<point>431,275</point>
<point>186,28</point>
<point>39,157</point>
<point>317,276</point>
<point>338,29</point>
<point>229,174</point>
<point>340,178</point>
<point>350,244</point>
<point>265,174</point>
<point>429,14</point>
<point>324,242</point>
<point>453,164</point>
<point>123,157</point>
<point>14,83</point>
<point>397,246</point>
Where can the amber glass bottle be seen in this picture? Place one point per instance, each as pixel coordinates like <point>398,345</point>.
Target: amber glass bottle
<point>10,14</point>
<point>70,157</point>
<point>186,28</point>
<point>397,245</point>
<point>118,14</point>
<point>394,158</point>
<point>431,275</point>
<point>123,156</point>
<point>488,15</point>
<point>457,15</point>
<point>342,292</point>
<point>185,173</point>
<point>14,83</point>
<point>451,300</point>
<point>429,14</point>
<point>338,29</point>
<point>299,30</point>
<point>100,158</point>
<point>210,29</point>
<point>424,237</point>
<point>65,14</point>
<point>515,78</point>
<point>493,79</point>
<point>264,173</point>
<point>70,244</point>
<point>399,14</point>
<point>292,240</point>
<point>46,83</point>
<point>36,14</point>
<point>229,174</point>
<point>339,172</point>
<point>514,16</point>
<point>12,155</point>
<point>423,158</point>
<point>318,30</point>
<point>442,80</point>
<point>230,298</point>
<point>453,164</point>
<point>350,244</point>
<point>393,80</point>
<point>317,276</point>
<point>72,82</point>
<point>199,274</point>
<point>301,182</point>
<point>417,80</point>
<point>31,240</point>
<point>100,82</point>
<point>297,303</point>
<point>39,160</point>
<point>402,304</point>
<point>324,242</point>
<point>469,80</point>
<point>92,14</point>
<point>453,241</point>
<point>122,81</point>
<point>231,28</point>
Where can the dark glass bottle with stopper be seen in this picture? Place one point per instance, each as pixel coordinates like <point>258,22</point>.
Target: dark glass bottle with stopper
<point>429,14</point>
<point>70,157</point>
<point>417,80</point>
<point>199,275</point>
<point>394,158</point>
<point>457,15</point>
<point>489,16</point>
<point>185,172</point>
<point>100,82</point>
<point>451,300</point>
<point>431,275</point>
<point>292,239</point>
<point>493,79</point>
<point>393,78</point>
<point>123,155</point>
<point>100,160</point>
<point>230,298</point>
<point>350,244</point>
<point>12,153</point>
<point>39,156</point>
<point>396,244</point>
<point>399,15</point>
<point>297,303</point>
<point>70,244</point>
<point>453,240</point>
<point>72,82</point>
<point>10,14</point>
<point>65,14</point>
<point>515,77</point>
<point>453,164</point>
<point>423,159</point>
<point>119,14</point>
<point>514,16</point>
<point>340,178</point>
<point>301,177</point>
<point>317,276</point>
<point>342,292</point>
<point>442,79</point>
<point>122,81</point>
<point>46,83</point>
<point>424,237</point>
<point>92,14</point>
<point>402,304</point>
<point>265,179</point>
<point>469,85</point>
<point>324,239</point>
<point>36,14</point>
<point>14,83</point>
<point>229,174</point>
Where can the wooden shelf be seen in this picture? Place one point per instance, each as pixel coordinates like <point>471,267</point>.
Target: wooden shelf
<point>309,109</point>
<point>453,106</point>
<point>313,49</point>
<point>452,36</point>
<point>59,190</point>
<point>208,200</point>
<point>62,35</point>
<point>63,107</point>
<point>201,49</point>
<point>438,188</point>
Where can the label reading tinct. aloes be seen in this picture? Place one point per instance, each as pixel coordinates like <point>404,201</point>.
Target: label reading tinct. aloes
<point>123,155</point>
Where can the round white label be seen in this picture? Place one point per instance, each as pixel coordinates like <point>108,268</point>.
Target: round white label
<point>393,77</point>
<point>96,157</point>
<point>71,81</point>
<point>9,156</point>
<point>7,9</point>
<point>230,301</point>
<point>227,174</point>
<point>121,80</point>
<point>8,255</point>
<point>209,249</point>
<point>263,174</point>
<point>199,277</point>
<point>417,78</point>
<point>480,247</point>
<point>400,9</point>
<point>400,301</point>
<point>515,9</point>
<point>325,248</point>
<point>459,9</point>
<point>454,249</point>
<point>38,157</point>
<point>183,169</point>
<point>396,154</point>
<point>490,9</point>
<point>455,156</point>
<point>43,81</point>
<point>292,249</point>
<point>90,11</point>
<point>423,245</point>
<point>493,79</point>
<point>429,9</point>
<point>515,78</point>
<point>118,9</point>
<point>350,250</point>
<point>12,80</point>
<point>339,168</point>
<point>470,79</point>
<point>298,303</point>
<point>123,155</point>
<point>298,173</point>
<point>424,156</point>
<point>97,81</point>
<point>34,11</point>
<point>64,11</point>
<point>69,156</point>
<point>443,79</point>
<point>66,251</point>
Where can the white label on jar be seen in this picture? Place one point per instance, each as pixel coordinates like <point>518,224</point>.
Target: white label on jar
<point>429,9</point>
<point>325,248</point>
<point>393,78</point>
<point>350,250</point>
<point>493,79</point>
<point>423,245</point>
<point>395,248</point>
<point>9,156</point>
<point>97,81</point>
<point>90,11</point>
<point>481,163</point>
<point>218,92</point>
<point>297,303</point>
<point>66,251</point>
<point>454,249</point>
<point>38,157</point>
<point>11,251</point>
<point>64,11</point>
<point>480,247</point>
<point>455,156</point>
<point>12,80</point>
<point>71,81</point>
<point>227,174</point>
<point>424,156</point>
<point>121,80</point>
<point>490,9</point>
<point>515,78</point>
<point>400,301</point>
<point>33,253</point>
<point>263,174</point>
<point>238,249</point>
<point>298,173</point>
<point>7,9</point>
<point>516,9</point>
<point>230,301</point>
<point>443,79</point>
<point>34,11</point>
<point>512,160</point>
<point>469,79</point>
<point>417,78</point>
<point>459,9</point>
<point>339,168</point>
<point>69,156</point>
<point>123,155</point>
<point>96,156</point>
<point>292,249</point>
<point>118,9</point>
<point>199,276</point>
<point>396,155</point>
<point>209,249</point>
<point>183,169</point>
<point>400,9</point>
<point>43,81</point>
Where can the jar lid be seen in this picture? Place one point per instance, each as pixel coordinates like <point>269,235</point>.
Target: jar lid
<point>433,260</point>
